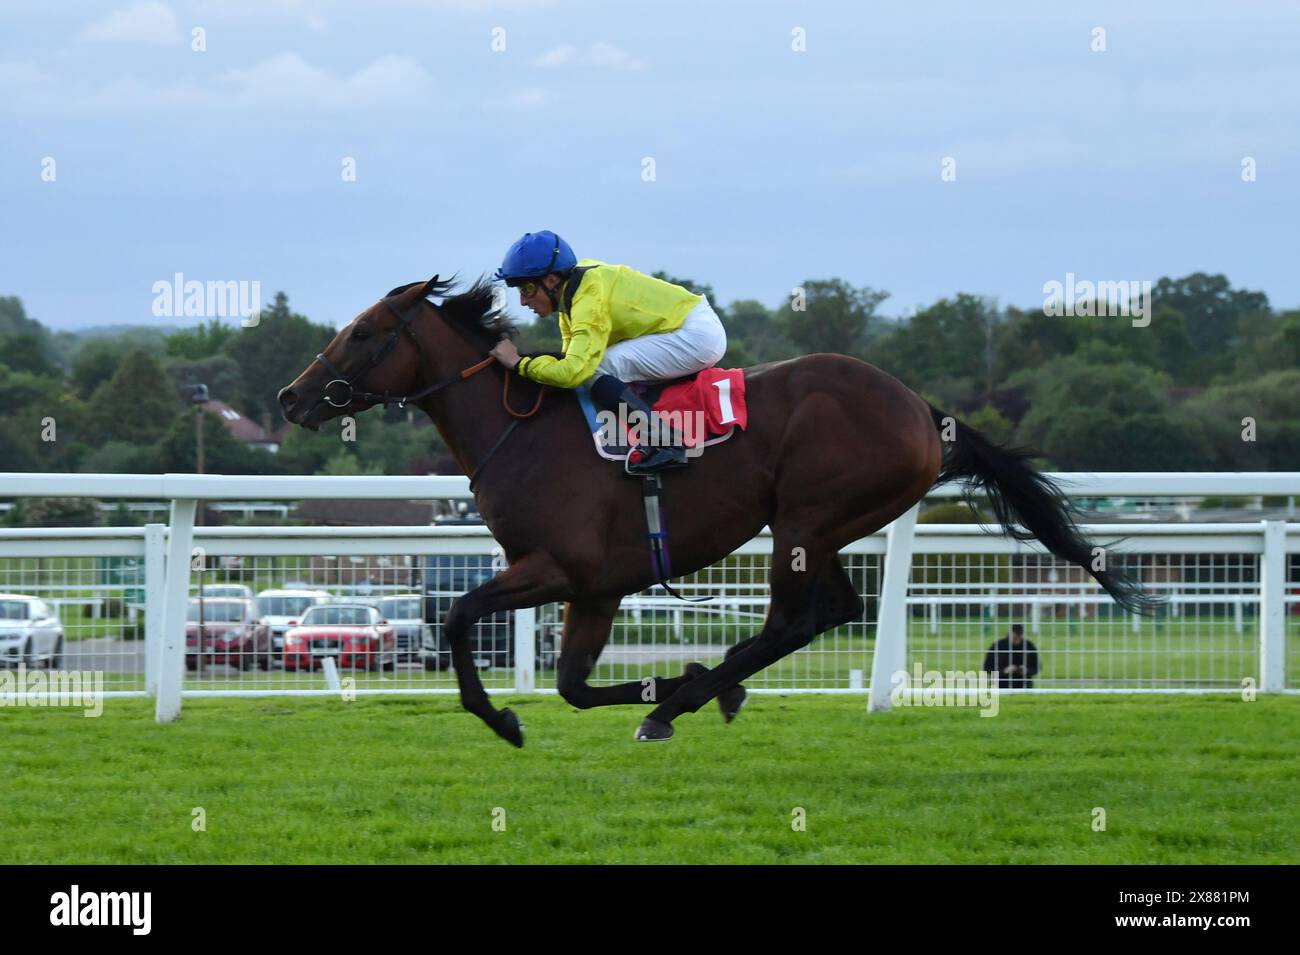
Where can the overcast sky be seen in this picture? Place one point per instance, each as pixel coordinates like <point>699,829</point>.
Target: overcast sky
<point>771,164</point>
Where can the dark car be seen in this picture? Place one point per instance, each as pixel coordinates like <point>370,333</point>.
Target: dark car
<point>226,630</point>
<point>446,577</point>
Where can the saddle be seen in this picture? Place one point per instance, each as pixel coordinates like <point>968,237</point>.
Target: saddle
<point>705,409</point>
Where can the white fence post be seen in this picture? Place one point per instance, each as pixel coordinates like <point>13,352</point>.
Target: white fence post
<point>155,589</point>
<point>171,663</point>
<point>1272,608</point>
<point>891,621</point>
<point>525,649</point>
<point>331,671</point>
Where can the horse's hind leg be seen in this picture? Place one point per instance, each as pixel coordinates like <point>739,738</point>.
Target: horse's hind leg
<point>836,603</point>
<point>732,698</point>
<point>837,600</point>
<point>790,624</point>
<point>586,631</point>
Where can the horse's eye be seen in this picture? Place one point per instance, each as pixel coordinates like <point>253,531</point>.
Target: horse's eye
<point>360,334</point>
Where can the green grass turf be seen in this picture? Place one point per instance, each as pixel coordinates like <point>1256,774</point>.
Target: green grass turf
<point>1181,779</point>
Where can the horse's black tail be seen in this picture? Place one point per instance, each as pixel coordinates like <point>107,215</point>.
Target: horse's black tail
<point>1019,495</point>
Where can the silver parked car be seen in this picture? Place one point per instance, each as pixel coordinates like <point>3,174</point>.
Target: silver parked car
<point>404,612</point>
<point>30,632</point>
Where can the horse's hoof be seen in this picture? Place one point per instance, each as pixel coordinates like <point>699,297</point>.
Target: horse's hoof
<point>731,701</point>
<point>696,670</point>
<point>509,728</point>
<point>652,731</point>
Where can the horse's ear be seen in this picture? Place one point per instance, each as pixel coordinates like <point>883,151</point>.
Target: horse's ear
<point>429,286</point>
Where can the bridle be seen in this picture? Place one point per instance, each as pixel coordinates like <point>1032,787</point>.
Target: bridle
<point>351,394</point>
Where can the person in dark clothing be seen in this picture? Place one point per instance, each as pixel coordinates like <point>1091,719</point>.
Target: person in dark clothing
<point>1014,659</point>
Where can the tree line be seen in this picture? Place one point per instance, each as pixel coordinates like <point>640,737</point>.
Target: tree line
<point>1211,383</point>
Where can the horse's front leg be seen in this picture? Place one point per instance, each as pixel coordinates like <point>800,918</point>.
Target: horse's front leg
<point>530,581</point>
<point>587,626</point>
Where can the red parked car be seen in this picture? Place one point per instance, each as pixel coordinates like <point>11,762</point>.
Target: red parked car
<point>354,634</point>
<point>232,633</point>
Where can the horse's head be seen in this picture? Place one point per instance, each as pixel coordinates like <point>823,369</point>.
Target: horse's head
<point>392,350</point>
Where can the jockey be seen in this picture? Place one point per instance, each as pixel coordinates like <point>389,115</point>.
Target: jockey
<point>617,325</point>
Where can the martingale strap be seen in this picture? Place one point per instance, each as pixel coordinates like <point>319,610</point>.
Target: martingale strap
<point>652,490</point>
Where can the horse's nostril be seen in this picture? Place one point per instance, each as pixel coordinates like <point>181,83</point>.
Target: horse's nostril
<point>287,398</point>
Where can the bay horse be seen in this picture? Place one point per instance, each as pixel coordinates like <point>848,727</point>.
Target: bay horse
<point>835,450</point>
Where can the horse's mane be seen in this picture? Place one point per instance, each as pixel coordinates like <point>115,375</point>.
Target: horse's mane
<point>472,308</point>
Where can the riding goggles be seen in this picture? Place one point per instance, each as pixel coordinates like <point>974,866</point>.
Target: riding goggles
<point>527,287</point>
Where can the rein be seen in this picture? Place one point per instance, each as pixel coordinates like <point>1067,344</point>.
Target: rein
<point>351,394</point>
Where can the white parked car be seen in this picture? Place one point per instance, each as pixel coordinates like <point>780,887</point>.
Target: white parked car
<point>238,591</point>
<point>30,632</point>
<point>282,609</point>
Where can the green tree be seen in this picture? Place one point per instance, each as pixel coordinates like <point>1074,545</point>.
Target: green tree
<point>137,404</point>
<point>202,341</point>
<point>19,447</point>
<point>13,317</point>
<point>36,353</point>
<point>62,512</point>
<point>737,355</point>
<point>1095,410</point>
<point>123,457</point>
<point>223,453</point>
<point>45,422</point>
<point>391,446</point>
<point>26,351</point>
<point>835,317</point>
<point>305,452</point>
<point>992,424</point>
<point>753,335</point>
<point>273,353</point>
<point>220,373</point>
<point>96,360</point>
<point>1030,339</point>
<point>1212,307</point>
<point>21,388</point>
<point>1246,426</point>
<point>1270,343</point>
<point>344,463</point>
<point>948,346</point>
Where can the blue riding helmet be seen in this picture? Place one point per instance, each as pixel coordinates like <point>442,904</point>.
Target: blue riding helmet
<point>535,255</point>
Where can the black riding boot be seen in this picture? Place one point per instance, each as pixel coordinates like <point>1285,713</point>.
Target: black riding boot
<point>644,459</point>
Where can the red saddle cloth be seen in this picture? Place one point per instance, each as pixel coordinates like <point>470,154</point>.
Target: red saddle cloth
<point>716,393</point>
